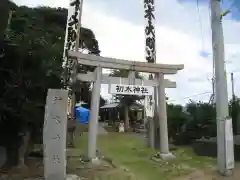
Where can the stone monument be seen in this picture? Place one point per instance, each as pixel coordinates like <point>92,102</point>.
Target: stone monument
<point>54,134</point>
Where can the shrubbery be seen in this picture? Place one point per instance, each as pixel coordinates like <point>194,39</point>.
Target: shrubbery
<point>198,120</point>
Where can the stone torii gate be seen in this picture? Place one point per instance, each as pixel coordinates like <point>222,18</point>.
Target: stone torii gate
<point>111,63</point>
<point>54,136</point>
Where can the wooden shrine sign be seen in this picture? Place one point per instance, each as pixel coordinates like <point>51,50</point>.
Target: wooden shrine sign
<point>131,90</point>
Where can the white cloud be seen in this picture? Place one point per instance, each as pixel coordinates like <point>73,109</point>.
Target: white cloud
<point>178,41</point>
<point>122,39</point>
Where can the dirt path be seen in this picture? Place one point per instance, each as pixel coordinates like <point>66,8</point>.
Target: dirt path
<point>211,175</point>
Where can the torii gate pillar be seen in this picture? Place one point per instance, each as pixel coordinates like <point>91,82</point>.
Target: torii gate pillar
<point>93,123</point>
<point>162,118</point>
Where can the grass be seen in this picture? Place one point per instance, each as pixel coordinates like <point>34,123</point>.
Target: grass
<point>130,154</point>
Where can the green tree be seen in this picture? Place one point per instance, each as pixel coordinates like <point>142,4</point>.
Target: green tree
<point>30,64</point>
<point>176,119</point>
<point>201,122</point>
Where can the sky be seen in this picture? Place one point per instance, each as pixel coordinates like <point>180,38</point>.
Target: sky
<point>183,36</point>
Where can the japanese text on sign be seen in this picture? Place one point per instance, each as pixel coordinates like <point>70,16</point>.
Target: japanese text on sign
<point>131,89</point>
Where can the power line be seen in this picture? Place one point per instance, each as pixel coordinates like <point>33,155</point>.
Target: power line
<point>194,95</point>
<point>200,78</point>
<point>203,93</point>
<point>207,92</point>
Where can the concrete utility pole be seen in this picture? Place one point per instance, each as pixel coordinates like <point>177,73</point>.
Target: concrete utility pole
<point>224,140</point>
<point>213,90</point>
<point>213,84</point>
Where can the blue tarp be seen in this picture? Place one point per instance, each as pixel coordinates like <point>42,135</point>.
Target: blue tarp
<point>82,114</point>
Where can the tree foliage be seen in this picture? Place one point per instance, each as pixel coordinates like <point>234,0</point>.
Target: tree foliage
<point>197,120</point>
<point>31,63</point>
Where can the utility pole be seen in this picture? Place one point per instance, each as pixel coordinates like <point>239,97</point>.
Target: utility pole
<point>213,84</point>
<point>225,150</point>
<point>213,90</point>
